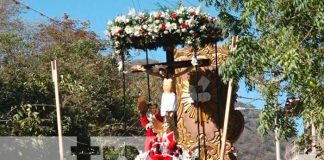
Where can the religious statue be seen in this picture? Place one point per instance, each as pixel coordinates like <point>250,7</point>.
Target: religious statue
<point>151,120</point>
<point>168,100</point>
<point>166,147</point>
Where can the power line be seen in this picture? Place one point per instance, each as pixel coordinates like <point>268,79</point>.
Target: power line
<point>139,4</point>
<point>169,3</point>
<point>17,2</point>
<point>242,97</point>
<point>189,3</point>
<point>134,5</point>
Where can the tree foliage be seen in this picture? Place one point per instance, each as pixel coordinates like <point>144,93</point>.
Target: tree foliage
<point>90,86</point>
<point>280,53</point>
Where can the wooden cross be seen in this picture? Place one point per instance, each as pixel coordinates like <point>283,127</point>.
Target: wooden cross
<point>172,65</point>
<point>179,64</point>
<point>84,150</point>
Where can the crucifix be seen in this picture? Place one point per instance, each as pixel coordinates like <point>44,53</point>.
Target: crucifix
<point>170,64</point>
<point>168,104</point>
<point>84,150</point>
<point>167,72</point>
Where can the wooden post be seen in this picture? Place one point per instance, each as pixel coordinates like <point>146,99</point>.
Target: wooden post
<point>58,111</point>
<point>170,59</point>
<point>228,106</point>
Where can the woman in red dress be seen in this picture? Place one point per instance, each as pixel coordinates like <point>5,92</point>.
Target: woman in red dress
<point>147,122</point>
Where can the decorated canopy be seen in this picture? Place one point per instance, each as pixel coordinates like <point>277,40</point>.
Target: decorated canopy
<point>182,26</point>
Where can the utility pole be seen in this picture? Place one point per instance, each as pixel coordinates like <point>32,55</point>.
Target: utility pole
<point>276,137</point>
<point>228,105</point>
<point>58,109</point>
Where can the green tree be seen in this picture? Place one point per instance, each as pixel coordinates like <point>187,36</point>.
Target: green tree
<point>9,16</point>
<point>280,53</point>
<point>90,85</point>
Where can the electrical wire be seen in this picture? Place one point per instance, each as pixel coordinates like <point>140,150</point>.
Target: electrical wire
<point>139,5</point>
<point>189,3</point>
<point>134,4</point>
<point>17,2</point>
<point>170,4</point>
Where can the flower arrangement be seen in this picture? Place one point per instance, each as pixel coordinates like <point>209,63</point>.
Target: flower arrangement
<point>183,26</point>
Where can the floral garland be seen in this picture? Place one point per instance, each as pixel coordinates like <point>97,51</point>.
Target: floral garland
<point>183,26</point>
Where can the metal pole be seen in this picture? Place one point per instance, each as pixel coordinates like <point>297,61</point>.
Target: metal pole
<point>58,110</point>
<point>124,92</point>
<point>148,78</point>
<point>197,105</point>
<point>314,138</point>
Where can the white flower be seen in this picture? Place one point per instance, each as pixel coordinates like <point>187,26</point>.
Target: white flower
<point>166,32</point>
<point>129,30</point>
<point>150,19</point>
<point>180,20</point>
<point>191,22</point>
<point>137,27</point>
<point>198,10</point>
<point>174,26</point>
<point>180,10</point>
<point>168,26</point>
<point>121,19</point>
<point>155,14</point>
<point>191,9</point>
<point>191,31</point>
<point>178,31</point>
<point>202,28</point>
<point>163,14</point>
<point>150,27</point>
<point>116,43</point>
<point>157,21</point>
<point>189,42</point>
<point>115,30</point>
<point>145,26</point>
<point>127,20</point>
<point>132,12</point>
<point>184,30</point>
<point>137,33</point>
<point>156,29</point>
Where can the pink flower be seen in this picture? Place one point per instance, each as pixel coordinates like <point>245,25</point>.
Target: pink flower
<point>192,13</point>
<point>183,25</point>
<point>163,27</point>
<point>121,57</point>
<point>158,16</point>
<point>174,15</point>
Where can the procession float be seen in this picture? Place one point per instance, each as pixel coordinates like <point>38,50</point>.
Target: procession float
<point>190,124</point>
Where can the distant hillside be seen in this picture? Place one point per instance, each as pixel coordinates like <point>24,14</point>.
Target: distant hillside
<point>251,145</point>
<point>143,61</point>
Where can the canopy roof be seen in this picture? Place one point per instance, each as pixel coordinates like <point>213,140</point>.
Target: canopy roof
<point>182,26</point>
